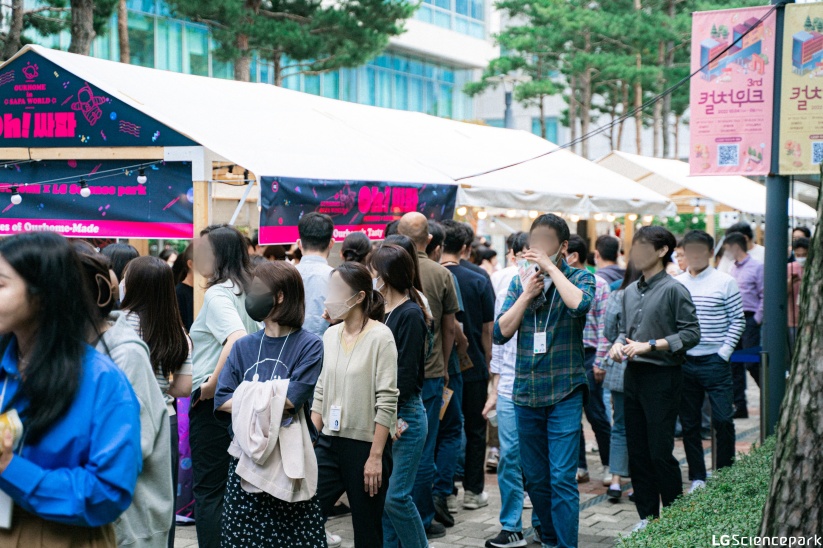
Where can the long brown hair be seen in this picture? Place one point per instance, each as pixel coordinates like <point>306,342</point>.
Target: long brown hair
<point>396,268</point>
<point>150,294</point>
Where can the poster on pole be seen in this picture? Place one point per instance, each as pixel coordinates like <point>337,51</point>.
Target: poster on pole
<point>354,206</point>
<point>50,198</point>
<point>732,93</point>
<point>801,100</point>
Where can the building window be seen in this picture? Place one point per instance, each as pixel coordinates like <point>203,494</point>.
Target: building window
<point>463,16</point>
<point>141,40</point>
<point>496,122</point>
<point>551,128</point>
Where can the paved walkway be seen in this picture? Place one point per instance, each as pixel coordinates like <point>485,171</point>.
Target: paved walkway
<point>601,520</point>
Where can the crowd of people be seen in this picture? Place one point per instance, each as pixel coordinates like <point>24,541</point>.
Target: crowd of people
<point>389,378</point>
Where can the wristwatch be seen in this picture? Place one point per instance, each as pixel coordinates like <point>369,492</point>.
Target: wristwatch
<point>653,344</point>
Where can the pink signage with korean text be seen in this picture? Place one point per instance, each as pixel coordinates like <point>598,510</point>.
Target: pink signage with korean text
<point>732,93</point>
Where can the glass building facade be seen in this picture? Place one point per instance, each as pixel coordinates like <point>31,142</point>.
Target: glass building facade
<point>393,80</point>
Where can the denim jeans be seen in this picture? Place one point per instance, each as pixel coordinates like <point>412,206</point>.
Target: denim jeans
<point>401,522</point>
<point>710,376</point>
<point>549,460</point>
<point>449,440</point>
<point>509,471</point>
<point>595,411</point>
<point>619,456</point>
<point>422,494</point>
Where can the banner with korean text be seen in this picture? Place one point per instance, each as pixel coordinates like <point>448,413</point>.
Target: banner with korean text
<point>732,93</point>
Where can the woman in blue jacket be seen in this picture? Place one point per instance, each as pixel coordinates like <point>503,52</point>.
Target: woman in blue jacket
<point>74,470</point>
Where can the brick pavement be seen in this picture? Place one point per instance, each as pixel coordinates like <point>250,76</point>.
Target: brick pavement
<point>601,521</point>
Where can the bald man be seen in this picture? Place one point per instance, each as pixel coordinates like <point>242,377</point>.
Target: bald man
<point>438,286</point>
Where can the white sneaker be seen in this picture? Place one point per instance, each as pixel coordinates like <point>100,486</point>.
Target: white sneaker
<point>640,525</point>
<point>697,484</point>
<point>333,540</point>
<point>451,502</point>
<point>527,502</point>
<point>473,501</point>
<point>607,476</point>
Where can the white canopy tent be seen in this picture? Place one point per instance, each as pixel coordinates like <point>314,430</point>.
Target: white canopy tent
<point>671,178</point>
<point>273,131</point>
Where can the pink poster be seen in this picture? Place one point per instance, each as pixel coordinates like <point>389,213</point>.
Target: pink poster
<point>732,92</point>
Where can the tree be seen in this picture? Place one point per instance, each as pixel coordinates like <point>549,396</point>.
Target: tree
<point>303,36</point>
<point>807,25</point>
<point>88,19</point>
<point>47,19</point>
<point>123,31</point>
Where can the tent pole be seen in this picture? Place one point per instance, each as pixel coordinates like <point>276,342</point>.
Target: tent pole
<point>241,203</point>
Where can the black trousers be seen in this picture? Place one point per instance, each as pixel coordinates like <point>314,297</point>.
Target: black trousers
<point>750,339</point>
<point>652,401</point>
<point>595,411</point>
<point>474,399</point>
<point>340,464</point>
<point>175,462</point>
<point>209,439</point>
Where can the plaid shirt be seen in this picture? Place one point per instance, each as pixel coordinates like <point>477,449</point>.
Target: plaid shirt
<point>542,380</point>
<point>594,332</point>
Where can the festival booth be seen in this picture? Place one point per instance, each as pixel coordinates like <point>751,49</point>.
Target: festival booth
<point>711,194</point>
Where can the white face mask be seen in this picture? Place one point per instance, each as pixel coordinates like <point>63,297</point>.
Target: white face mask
<point>338,310</point>
<point>800,260</point>
<point>122,289</point>
<point>374,283</point>
<point>547,281</point>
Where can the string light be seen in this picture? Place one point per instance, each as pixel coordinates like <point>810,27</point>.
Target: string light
<point>598,216</point>
<point>141,176</point>
<point>461,211</point>
<point>533,214</point>
<point>633,217</point>
<point>85,191</point>
<point>102,174</point>
<point>482,215</point>
<point>16,199</point>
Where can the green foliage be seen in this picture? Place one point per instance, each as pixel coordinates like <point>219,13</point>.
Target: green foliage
<point>731,504</point>
<point>321,36</point>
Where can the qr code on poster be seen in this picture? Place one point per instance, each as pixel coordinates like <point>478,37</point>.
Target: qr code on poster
<point>728,155</point>
<point>817,152</point>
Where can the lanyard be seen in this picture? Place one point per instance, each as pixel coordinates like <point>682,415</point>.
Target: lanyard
<point>3,393</point>
<point>337,363</point>
<point>256,377</point>
<point>548,317</point>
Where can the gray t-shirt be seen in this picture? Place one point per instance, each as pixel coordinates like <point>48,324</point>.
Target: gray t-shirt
<point>223,313</point>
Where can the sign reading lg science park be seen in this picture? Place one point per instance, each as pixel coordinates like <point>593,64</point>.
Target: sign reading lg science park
<point>42,105</point>
<point>355,206</point>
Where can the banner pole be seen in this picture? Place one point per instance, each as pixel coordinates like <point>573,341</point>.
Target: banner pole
<point>775,324</point>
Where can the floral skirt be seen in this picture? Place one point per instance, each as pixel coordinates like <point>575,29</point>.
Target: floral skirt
<point>30,531</point>
<point>260,520</point>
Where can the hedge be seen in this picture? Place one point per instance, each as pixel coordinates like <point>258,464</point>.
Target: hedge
<point>731,503</point>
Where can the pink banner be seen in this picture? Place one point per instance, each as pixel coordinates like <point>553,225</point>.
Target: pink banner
<point>289,235</point>
<point>732,93</point>
<point>98,229</point>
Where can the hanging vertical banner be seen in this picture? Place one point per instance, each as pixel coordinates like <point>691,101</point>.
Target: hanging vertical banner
<point>801,100</point>
<point>732,93</point>
<point>354,206</point>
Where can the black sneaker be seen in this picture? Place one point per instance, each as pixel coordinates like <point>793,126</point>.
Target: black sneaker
<point>614,494</point>
<point>741,413</point>
<point>435,530</point>
<point>506,539</point>
<point>441,512</point>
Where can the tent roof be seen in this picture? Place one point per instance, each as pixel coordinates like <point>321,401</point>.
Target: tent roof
<point>670,177</point>
<point>278,132</point>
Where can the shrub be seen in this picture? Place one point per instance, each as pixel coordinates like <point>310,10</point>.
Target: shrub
<point>731,504</point>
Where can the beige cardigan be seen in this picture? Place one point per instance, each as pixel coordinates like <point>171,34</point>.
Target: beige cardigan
<point>274,459</point>
<point>362,382</point>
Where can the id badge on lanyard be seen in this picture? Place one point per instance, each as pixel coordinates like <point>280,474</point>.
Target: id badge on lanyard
<point>540,343</point>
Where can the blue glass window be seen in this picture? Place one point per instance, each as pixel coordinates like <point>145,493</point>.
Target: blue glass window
<point>551,128</point>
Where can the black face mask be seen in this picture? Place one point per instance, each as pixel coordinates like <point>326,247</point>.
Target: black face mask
<point>260,305</point>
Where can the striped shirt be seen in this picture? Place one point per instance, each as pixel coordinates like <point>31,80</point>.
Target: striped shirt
<point>593,333</point>
<point>719,311</point>
<point>542,380</point>
<point>504,356</point>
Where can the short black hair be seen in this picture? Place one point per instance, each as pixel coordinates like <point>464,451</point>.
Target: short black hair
<point>578,245</point>
<point>316,231</point>
<point>698,237</point>
<point>468,234</point>
<point>437,234</point>
<point>658,237</point>
<point>517,242</point>
<point>743,228</point>
<point>802,243</point>
<point>550,220</point>
<point>391,228</point>
<point>454,236</point>
<point>608,247</point>
<point>805,230</point>
<point>736,238</point>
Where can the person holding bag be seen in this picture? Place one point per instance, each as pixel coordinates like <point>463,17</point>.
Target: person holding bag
<point>282,350</point>
<point>355,403</point>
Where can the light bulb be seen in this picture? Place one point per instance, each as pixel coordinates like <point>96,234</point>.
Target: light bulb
<point>598,216</point>
<point>633,217</point>
<point>533,214</point>
<point>16,199</point>
<point>482,215</point>
<point>677,218</point>
<point>697,210</point>
<point>574,218</point>
<point>461,211</point>
<point>141,176</point>
<point>511,214</point>
<point>610,218</point>
<point>85,191</point>
<point>695,220</point>
<point>648,219</point>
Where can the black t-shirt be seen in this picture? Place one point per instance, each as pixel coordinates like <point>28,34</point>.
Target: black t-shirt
<point>478,308</point>
<point>185,301</point>
<point>408,325</point>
